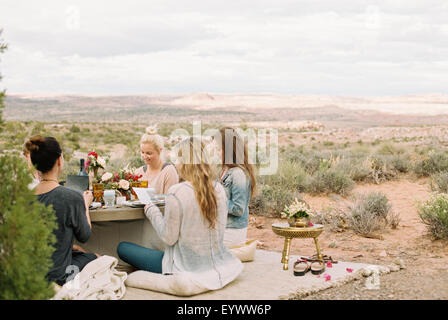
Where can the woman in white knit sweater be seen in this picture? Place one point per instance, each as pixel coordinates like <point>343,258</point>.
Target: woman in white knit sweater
<point>192,226</point>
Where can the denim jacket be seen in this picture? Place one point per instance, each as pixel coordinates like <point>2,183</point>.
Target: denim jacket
<point>237,186</point>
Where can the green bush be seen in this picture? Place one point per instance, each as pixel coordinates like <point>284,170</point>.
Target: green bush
<point>434,213</point>
<point>328,181</point>
<point>370,213</point>
<point>439,182</point>
<point>400,163</point>
<point>270,201</point>
<point>278,190</point>
<point>75,129</point>
<point>26,235</point>
<point>390,149</point>
<point>434,162</point>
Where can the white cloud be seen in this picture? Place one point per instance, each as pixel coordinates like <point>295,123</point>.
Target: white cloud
<point>285,46</point>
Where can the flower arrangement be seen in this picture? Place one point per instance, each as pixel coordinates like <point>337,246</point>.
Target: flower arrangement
<point>298,209</point>
<point>120,180</point>
<point>94,162</point>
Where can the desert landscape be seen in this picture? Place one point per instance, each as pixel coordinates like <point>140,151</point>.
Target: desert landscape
<point>393,146</point>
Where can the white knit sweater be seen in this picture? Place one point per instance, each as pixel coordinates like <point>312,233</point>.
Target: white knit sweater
<point>193,248</point>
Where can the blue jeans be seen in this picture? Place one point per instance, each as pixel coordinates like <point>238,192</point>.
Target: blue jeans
<point>140,257</point>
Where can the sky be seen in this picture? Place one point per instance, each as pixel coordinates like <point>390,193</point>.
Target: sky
<point>343,47</point>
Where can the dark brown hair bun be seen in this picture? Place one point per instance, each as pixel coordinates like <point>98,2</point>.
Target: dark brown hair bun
<point>34,143</point>
<point>44,152</point>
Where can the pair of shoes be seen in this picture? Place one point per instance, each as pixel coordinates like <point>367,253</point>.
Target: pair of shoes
<point>302,266</point>
<point>324,257</point>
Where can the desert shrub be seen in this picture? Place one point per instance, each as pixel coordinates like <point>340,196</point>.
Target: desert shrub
<point>400,163</point>
<point>75,129</point>
<point>370,213</point>
<point>380,169</point>
<point>270,201</point>
<point>439,182</point>
<point>278,190</point>
<point>435,161</point>
<point>359,171</point>
<point>26,235</point>
<point>39,128</point>
<point>390,149</point>
<point>330,181</point>
<point>434,214</point>
<point>290,176</point>
<point>334,220</point>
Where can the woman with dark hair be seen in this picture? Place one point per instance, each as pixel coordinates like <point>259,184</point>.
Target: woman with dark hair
<point>238,179</point>
<point>70,206</point>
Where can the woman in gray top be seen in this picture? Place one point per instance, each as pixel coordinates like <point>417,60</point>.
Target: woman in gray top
<point>70,206</point>
<point>192,226</point>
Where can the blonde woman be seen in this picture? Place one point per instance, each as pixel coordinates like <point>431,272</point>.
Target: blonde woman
<point>192,226</point>
<point>238,179</point>
<point>161,175</point>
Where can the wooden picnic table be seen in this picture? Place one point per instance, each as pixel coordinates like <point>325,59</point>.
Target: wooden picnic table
<point>116,214</point>
<point>111,226</point>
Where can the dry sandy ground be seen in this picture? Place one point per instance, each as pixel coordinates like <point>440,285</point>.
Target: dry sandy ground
<point>425,276</point>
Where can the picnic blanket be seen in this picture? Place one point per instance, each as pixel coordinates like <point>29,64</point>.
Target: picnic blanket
<point>99,280</point>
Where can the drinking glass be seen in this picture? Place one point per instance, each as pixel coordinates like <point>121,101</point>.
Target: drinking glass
<point>97,191</point>
<point>109,198</point>
<point>144,184</point>
<point>121,201</point>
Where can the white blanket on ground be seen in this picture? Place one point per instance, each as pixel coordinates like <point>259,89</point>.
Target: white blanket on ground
<point>99,280</point>
<point>177,284</point>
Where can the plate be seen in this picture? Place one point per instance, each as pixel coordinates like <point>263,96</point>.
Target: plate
<point>135,204</point>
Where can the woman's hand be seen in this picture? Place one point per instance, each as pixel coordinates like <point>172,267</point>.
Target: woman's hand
<point>147,207</point>
<point>88,197</point>
<point>78,248</point>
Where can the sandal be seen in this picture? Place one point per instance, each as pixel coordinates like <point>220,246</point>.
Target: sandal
<point>301,266</point>
<point>317,267</point>
<point>325,258</point>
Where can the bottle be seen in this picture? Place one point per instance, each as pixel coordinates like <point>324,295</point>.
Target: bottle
<point>82,169</point>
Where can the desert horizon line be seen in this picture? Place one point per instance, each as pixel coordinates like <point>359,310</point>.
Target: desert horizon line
<point>224,94</point>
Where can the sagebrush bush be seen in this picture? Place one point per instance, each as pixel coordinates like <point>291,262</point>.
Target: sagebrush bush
<point>330,181</point>
<point>380,169</point>
<point>334,220</point>
<point>390,149</point>
<point>370,213</point>
<point>434,214</point>
<point>270,201</point>
<point>401,163</point>
<point>278,190</point>
<point>439,182</point>
<point>435,161</point>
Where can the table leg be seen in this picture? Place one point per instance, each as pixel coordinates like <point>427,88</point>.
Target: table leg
<point>319,254</point>
<point>285,254</point>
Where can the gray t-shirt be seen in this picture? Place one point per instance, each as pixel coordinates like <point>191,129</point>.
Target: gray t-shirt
<point>72,221</point>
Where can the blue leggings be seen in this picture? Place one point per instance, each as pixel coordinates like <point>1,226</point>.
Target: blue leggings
<point>140,257</point>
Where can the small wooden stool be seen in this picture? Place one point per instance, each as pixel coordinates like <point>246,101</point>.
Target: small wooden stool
<point>284,230</point>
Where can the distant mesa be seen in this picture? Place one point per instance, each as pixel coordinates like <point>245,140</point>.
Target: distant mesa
<point>196,99</point>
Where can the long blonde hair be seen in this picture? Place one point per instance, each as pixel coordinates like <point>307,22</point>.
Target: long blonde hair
<point>195,168</point>
<point>237,155</point>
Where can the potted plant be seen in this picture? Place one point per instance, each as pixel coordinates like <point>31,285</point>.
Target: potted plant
<point>297,213</point>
